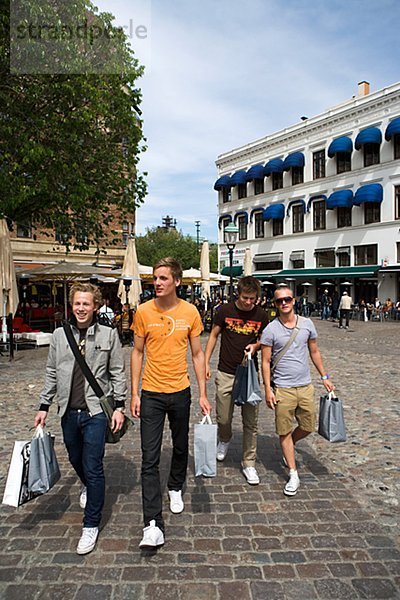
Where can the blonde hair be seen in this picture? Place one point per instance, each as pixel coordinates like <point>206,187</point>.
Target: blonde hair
<point>87,288</point>
<point>172,264</point>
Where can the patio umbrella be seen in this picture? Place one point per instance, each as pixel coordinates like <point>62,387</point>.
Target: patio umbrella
<point>247,265</point>
<point>130,269</point>
<point>205,270</point>
<point>267,283</point>
<point>8,282</point>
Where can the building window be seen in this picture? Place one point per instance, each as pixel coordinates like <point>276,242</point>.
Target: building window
<point>242,190</point>
<point>324,258</point>
<point>258,186</point>
<point>343,162</point>
<point>226,195</point>
<point>271,265</point>
<point>344,216</point>
<point>371,154</point>
<point>319,164</point>
<point>24,229</point>
<point>366,255</point>
<point>396,143</point>
<point>319,215</point>
<point>277,181</point>
<point>277,227</point>
<point>298,218</point>
<point>259,225</point>
<point>372,212</point>
<point>397,202</point>
<point>242,224</point>
<point>297,175</point>
<point>343,255</point>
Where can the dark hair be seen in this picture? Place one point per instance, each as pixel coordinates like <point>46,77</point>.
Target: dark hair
<point>249,285</point>
<point>172,264</point>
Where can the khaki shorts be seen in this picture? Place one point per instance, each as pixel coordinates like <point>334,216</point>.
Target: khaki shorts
<point>295,403</point>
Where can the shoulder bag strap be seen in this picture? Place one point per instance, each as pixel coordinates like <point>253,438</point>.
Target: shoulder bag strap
<point>81,361</point>
<point>290,341</point>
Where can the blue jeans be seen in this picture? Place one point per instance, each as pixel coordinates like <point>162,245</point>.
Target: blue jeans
<point>84,437</point>
<point>154,407</point>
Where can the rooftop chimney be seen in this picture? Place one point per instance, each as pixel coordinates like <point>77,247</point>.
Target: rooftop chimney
<point>363,88</point>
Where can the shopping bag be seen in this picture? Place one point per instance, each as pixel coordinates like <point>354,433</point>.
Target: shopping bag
<point>16,491</point>
<point>246,387</point>
<point>331,419</point>
<point>43,471</point>
<point>205,448</point>
<point>111,436</point>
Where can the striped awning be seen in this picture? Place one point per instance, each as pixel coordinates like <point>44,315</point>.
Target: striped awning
<point>268,258</point>
<point>373,192</point>
<point>371,135</point>
<point>341,144</point>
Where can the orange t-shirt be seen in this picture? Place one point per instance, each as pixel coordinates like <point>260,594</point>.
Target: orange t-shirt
<point>167,335</point>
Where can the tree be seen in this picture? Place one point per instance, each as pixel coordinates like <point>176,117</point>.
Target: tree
<point>158,243</point>
<point>70,134</point>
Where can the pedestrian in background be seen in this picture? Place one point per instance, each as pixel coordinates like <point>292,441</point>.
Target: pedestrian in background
<point>165,327</point>
<point>240,324</point>
<point>289,391</point>
<point>345,305</point>
<point>83,421</point>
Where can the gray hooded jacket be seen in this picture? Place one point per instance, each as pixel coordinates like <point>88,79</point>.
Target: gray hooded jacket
<point>103,354</point>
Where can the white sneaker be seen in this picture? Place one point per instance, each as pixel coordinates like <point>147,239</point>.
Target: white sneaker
<point>251,475</point>
<point>293,484</point>
<point>176,505</point>
<point>83,497</point>
<point>152,536</point>
<point>88,540</point>
<point>222,450</point>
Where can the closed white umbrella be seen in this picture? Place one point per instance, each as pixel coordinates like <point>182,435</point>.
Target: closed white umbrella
<point>8,282</point>
<point>130,270</point>
<point>205,269</point>
<point>247,265</point>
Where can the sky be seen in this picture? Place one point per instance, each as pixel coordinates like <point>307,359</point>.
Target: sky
<point>222,73</point>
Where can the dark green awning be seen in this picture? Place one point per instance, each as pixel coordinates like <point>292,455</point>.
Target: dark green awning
<point>363,271</point>
<point>236,271</point>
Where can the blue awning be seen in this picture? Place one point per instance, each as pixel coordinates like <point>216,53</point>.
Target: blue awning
<point>296,159</point>
<point>342,198</point>
<point>341,144</point>
<point>274,211</point>
<point>222,182</point>
<point>292,203</point>
<point>392,129</point>
<point>242,213</point>
<point>273,166</point>
<point>239,177</point>
<point>223,218</point>
<point>255,172</point>
<point>372,135</point>
<point>372,192</point>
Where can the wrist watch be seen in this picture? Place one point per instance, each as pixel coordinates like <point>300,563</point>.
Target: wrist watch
<point>121,409</point>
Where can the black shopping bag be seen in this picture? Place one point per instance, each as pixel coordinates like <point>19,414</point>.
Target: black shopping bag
<point>43,471</point>
<point>331,419</point>
<point>246,387</point>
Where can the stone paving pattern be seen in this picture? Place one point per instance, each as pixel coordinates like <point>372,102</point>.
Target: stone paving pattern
<point>338,538</point>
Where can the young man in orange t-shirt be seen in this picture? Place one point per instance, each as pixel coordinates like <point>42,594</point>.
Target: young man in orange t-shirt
<point>165,326</point>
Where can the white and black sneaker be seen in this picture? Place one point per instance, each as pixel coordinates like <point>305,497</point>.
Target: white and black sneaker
<point>88,540</point>
<point>293,483</point>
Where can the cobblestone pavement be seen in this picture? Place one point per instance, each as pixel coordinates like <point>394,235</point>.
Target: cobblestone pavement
<point>338,538</point>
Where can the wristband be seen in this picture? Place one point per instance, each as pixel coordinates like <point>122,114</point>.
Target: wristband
<point>324,377</point>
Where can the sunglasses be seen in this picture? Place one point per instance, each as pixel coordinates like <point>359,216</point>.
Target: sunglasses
<point>285,300</point>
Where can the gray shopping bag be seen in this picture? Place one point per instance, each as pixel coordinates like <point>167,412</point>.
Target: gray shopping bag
<point>331,419</point>
<point>205,448</point>
<point>246,387</point>
<point>44,471</point>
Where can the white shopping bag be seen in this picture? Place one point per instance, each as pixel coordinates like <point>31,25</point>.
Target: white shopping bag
<point>16,491</point>
<point>205,448</point>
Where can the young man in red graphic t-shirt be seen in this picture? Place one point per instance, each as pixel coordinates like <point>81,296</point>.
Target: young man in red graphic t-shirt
<point>240,324</point>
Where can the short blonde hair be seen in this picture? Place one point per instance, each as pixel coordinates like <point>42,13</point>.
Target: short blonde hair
<point>87,288</point>
<point>172,264</point>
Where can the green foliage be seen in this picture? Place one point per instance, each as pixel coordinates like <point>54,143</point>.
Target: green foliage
<point>158,243</point>
<point>214,258</point>
<point>70,141</point>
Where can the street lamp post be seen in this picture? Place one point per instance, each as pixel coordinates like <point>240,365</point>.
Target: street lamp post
<point>230,238</point>
<point>24,282</point>
<point>127,281</point>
